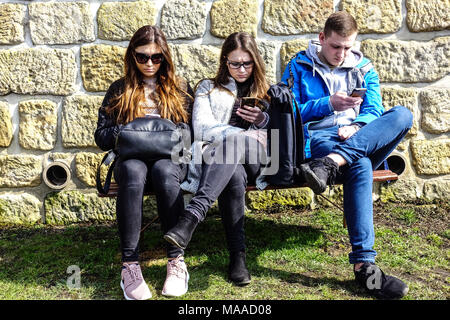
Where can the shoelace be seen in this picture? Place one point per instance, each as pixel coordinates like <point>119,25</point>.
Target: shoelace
<point>134,272</point>
<point>176,268</point>
<point>332,170</point>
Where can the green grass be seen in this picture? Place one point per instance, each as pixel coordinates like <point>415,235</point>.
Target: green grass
<point>292,255</point>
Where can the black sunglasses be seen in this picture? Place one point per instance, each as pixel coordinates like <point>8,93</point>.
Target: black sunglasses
<point>142,58</point>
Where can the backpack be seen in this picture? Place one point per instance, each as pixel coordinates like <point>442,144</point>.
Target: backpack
<point>291,142</point>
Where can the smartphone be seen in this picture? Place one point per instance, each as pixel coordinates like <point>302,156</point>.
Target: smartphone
<point>252,102</point>
<point>249,101</point>
<point>359,92</point>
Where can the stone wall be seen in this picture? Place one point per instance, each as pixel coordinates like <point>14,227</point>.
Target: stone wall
<point>57,58</point>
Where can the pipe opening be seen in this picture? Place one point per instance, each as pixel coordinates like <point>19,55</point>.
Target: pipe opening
<point>56,175</point>
<point>396,164</point>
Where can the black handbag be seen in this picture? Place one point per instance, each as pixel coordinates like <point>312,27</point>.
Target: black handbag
<point>147,139</point>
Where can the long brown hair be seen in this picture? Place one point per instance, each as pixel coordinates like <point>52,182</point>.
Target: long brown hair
<point>245,42</point>
<point>170,90</point>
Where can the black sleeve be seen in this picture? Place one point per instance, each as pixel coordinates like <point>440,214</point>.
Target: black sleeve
<point>107,127</point>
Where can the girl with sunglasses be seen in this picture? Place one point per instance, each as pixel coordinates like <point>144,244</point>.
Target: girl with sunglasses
<point>149,88</point>
<point>232,128</point>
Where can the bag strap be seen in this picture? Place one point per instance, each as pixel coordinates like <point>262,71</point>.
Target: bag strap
<point>110,156</point>
<point>290,82</point>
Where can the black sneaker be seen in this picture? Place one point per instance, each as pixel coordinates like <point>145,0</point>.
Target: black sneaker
<point>376,283</point>
<point>181,234</point>
<point>319,172</point>
<point>237,271</point>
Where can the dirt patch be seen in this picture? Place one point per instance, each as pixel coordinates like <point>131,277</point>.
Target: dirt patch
<point>428,218</point>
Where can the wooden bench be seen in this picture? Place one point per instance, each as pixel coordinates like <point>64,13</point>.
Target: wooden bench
<point>378,176</point>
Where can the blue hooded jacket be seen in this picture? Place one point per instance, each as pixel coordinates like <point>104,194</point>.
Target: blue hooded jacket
<point>312,93</point>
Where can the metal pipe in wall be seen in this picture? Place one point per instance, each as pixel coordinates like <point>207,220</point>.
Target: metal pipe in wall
<point>395,162</point>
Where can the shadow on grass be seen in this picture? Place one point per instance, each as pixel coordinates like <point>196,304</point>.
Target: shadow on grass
<point>40,256</point>
<point>262,236</point>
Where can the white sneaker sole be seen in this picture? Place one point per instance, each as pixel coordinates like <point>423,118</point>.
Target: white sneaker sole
<point>168,294</point>
<point>127,297</point>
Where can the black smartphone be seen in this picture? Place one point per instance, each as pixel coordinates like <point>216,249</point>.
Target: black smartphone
<point>252,102</point>
<point>249,101</point>
<point>359,92</point>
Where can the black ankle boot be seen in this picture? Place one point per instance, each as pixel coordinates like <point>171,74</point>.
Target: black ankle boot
<point>181,234</point>
<point>320,172</point>
<point>237,271</point>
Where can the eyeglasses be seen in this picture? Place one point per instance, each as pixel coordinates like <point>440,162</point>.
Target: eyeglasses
<point>142,58</point>
<point>238,65</point>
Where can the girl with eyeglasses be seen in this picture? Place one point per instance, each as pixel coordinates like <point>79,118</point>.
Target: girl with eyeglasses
<point>150,88</point>
<point>228,126</point>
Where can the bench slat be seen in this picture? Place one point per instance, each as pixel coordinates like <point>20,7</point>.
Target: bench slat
<point>378,176</point>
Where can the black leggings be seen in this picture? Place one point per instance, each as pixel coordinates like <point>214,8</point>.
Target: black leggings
<point>133,176</point>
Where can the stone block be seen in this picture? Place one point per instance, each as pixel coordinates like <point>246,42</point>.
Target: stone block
<point>61,22</point>
<point>20,171</point>
<point>12,16</point>
<point>435,110</point>
<point>267,50</point>
<point>431,157</point>
<point>261,200</point>
<point>437,189</point>
<point>286,17</point>
<point>86,164</point>
<point>79,120</point>
<point>101,65</point>
<point>229,16</point>
<point>37,71</point>
<point>400,191</point>
<point>427,15</point>
<point>38,123</point>
<point>289,49</point>
<point>406,97</point>
<point>195,62</point>
<point>118,21</point>
<point>375,16</point>
<point>409,61</point>
<point>183,19</point>
<point>6,127</point>
<point>19,209</point>
<point>66,207</point>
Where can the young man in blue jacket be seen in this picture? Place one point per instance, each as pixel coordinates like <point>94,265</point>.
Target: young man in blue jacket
<point>347,137</point>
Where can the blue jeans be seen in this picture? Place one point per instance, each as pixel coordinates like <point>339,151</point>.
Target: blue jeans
<point>364,152</point>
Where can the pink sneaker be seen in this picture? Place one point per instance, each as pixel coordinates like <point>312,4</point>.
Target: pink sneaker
<point>133,284</point>
<point>177,278</point>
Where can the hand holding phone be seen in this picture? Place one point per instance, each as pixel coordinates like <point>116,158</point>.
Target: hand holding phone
<point>250,101</point>
<point>359,92</point>
<point>250,110</point>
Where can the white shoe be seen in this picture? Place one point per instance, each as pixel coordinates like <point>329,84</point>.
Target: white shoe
<point>177,278</point>
<point>133,284</point>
